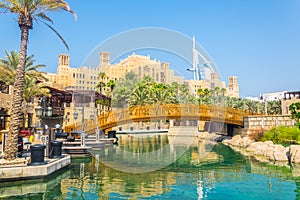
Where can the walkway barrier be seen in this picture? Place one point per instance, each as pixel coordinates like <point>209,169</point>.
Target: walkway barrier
<point>56,149</point>
<point>37,154</point>
<point>197,112</point>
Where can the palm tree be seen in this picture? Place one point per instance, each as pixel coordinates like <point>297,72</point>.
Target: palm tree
<point>101,83</point>
<point>238,103</point>
<point>180,91</point>
<point>123,90</point>
<point>111,84</point>
<point>139,96</point>
<point>8,68</point>
<point>32,89</point>
<point>26,11</point>
<point>274,107</point>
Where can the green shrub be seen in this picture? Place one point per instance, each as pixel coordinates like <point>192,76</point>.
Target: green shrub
<point>283,135</point>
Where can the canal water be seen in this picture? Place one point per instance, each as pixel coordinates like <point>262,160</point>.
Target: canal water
<point>158,166</point>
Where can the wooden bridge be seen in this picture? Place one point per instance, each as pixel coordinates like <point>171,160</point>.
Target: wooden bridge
<point>122,116</point>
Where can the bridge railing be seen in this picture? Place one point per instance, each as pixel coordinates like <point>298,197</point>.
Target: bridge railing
<point>168,111</point>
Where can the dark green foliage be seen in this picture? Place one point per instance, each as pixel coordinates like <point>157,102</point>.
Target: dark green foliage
<point>283,135</point>
<point>295,111</point>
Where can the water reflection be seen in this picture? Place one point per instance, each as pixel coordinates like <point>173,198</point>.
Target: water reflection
<point>221,174</point>
<point>48,188</point>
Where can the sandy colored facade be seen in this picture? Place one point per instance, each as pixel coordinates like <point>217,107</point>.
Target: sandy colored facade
<point>289,98</point>
<point>141,66</point>
<point>83,78</point>
<point>232,90</point>
<point>86,78</point>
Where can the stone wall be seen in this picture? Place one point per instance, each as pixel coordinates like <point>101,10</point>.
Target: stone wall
<point>267,122</point>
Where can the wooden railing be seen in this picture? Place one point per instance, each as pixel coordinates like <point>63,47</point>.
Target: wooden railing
<point>169,111</point>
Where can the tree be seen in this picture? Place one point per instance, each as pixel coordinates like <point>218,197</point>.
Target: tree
<point>123,90</point>
<point>295,111</point>
<point>180,92</point>
<point>8,68</point>
<point>139,96</point>
<point>101,83</point>
<point>26,11</point>
<point>274,107</point>
<point>33,89</point>
<point>111,84</point>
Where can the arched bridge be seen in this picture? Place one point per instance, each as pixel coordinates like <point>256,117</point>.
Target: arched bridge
<point>122,116</point>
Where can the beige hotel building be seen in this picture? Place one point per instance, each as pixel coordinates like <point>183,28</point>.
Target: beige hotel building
<point>86,78</point>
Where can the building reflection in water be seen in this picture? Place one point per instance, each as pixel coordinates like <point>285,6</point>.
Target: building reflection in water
<point>102,178</point>
<point>196,173</point>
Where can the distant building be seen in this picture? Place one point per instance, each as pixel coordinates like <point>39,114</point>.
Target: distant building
<point>141,66</point>
<point>254,99</point>
<point>272,96</point>
<point>195,85</point>
<point>86,78</point>
<point>232,90</point>
<point>288,99</point>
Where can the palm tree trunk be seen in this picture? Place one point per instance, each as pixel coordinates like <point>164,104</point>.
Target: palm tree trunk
<point>11,148</point>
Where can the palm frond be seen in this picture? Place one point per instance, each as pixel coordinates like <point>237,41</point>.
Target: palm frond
<point>57,33</point>
<point>44,17</point>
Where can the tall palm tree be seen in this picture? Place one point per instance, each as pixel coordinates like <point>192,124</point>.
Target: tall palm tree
<point>26,11</point>
<point>101,83</point>
<point>8,68</point>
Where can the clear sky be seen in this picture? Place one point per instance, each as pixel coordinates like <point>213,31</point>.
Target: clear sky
<point>256,40</point>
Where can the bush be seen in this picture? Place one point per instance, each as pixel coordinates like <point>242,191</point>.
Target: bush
<point>283,135</point>
<point>256,134</point>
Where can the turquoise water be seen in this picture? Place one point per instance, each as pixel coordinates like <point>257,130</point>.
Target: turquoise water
<point>126,172</point>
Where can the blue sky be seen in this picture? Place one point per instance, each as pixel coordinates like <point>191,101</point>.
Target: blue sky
<point>256,40</point>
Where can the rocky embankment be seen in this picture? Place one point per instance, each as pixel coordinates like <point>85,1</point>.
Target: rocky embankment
<point>267,150</point>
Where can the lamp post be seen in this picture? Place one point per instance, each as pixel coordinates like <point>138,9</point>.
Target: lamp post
<point>75,116</point>
<point>82,135</point>
<point>43,110</point>
<point>97,128</point>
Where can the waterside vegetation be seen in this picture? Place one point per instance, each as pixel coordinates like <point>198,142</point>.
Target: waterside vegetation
<point>130,91</point>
